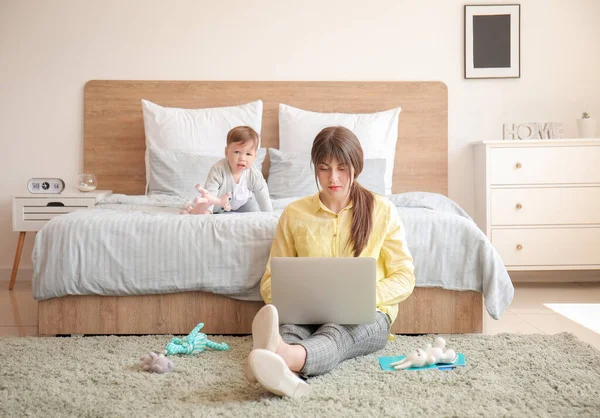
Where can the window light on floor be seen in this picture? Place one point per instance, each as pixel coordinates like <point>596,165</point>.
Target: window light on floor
<point>585,314</point>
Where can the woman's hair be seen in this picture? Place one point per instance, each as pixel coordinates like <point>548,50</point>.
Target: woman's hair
<point>242,135</point>
<point>341,143</point>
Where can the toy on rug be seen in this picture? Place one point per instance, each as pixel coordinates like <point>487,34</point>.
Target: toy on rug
<point>438,354</point>
<point>156,362</point>
<point>195,342</point>
<point>200,205</point>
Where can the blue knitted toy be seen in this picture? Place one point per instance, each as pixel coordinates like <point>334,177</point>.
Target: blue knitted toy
<point>195,342</point>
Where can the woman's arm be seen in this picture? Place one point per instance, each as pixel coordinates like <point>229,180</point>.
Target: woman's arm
<point>283,246</point>
<point>399,269</point>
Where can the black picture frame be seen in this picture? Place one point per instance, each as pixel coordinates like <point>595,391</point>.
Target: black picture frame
<point>492,41</point>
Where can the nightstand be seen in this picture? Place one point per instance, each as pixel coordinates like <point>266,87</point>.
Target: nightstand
<point>31,212</point>
<point>538,201</point>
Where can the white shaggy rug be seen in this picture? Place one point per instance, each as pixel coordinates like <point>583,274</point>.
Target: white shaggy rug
<point>506,375</point>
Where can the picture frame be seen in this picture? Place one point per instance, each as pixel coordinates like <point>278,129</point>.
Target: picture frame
<point>493,41</point>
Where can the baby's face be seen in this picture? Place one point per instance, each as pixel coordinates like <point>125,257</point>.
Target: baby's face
<point>240,156</point>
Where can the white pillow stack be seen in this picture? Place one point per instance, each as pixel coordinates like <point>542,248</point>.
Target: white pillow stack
<point>377,133</point>
<point>203,131</point>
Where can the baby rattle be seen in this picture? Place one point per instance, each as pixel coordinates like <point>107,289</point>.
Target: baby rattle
<point>194,342</point>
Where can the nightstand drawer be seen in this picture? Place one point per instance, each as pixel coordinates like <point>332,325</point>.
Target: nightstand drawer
<point>31,214</point>
<point>551,165</point>
<point>84,202</point>
<point>548,247</point>
<point>545,206</point>
<point>45,216</point>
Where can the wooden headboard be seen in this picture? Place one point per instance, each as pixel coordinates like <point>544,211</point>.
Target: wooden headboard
<point>114,143</point>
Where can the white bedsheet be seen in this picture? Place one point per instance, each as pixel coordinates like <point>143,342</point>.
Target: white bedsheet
<point>130,245</point>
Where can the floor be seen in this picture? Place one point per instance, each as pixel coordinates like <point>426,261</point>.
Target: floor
<point>536,308</point>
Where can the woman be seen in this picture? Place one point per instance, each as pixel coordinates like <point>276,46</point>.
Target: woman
<point>342,220</point>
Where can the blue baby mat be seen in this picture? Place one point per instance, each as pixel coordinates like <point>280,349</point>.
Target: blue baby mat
<point>385,362</point>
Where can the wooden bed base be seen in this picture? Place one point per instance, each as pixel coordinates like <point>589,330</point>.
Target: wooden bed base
<point>114,147</point>
<point>426,311</point>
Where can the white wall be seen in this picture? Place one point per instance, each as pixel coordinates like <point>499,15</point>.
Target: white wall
<point>49,49</point>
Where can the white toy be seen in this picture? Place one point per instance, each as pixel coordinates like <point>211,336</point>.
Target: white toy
<point>156,362</point>
<point>200,205</point>
<point>438,354</point>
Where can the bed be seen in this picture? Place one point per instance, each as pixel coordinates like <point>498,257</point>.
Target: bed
<point>114,147</point>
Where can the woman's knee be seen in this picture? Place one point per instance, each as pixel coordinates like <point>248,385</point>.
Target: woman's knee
<point>381,330</point>
<point>291,333</point>
<point>337,334</point>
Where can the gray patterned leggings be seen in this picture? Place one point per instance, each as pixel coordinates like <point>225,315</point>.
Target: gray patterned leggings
<point>329,344</point>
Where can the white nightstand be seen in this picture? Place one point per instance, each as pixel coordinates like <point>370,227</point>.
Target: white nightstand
<point>32,211</point>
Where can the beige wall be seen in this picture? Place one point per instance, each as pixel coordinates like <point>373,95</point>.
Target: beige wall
<point>49,49</point>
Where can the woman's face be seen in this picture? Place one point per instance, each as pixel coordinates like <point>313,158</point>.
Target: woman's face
<point>335,179</point>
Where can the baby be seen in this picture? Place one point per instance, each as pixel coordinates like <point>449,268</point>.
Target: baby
<point>233,183</point>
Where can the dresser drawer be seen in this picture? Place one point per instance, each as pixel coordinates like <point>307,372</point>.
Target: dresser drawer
<point>545,206</point>
<point>548,165</point>
<point>548,247</point>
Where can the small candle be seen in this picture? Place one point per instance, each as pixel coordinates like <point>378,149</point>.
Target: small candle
<point>87,182</point>
<point>86,188</point>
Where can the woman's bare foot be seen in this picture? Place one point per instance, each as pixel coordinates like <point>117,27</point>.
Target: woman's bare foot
<point>294,355</point>
<point>273,374</point>
<point>265,336</point>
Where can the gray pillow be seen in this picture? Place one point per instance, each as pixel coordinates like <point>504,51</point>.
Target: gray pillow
<point>373,175</point>
<point>176,172</point>
<point>292,175</point>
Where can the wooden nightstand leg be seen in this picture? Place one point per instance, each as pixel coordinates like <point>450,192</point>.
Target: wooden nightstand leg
<point>13,277</point>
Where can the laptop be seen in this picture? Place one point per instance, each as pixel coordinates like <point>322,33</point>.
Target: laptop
<point>310,290</point>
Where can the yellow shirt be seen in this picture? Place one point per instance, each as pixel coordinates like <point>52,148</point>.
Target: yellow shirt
<point>307,228</point>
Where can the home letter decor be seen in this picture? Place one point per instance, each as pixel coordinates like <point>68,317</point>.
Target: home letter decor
<point>547,130</point>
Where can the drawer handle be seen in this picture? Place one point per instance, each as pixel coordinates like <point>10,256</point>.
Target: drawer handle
<point>56,204</point>
<point>519,247</point>
<point>518,165</point>
<point>519,206</point>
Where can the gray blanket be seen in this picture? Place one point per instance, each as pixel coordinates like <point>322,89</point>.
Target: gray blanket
<point>130,245</point>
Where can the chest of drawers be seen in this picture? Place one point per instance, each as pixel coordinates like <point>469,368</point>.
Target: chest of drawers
<point>539,202</point>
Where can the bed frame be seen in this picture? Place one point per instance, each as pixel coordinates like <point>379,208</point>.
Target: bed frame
<point>114,147</point>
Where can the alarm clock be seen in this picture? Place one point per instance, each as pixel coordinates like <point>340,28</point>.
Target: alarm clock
<point>45,185</point>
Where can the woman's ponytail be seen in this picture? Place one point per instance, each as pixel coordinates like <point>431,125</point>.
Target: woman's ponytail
<point>362,217</point>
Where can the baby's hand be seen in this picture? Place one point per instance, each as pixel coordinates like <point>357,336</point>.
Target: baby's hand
<point>225,201</point>
<point>201,190</point>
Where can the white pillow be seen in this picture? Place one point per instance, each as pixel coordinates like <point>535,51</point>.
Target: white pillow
<point>292,175</point>
<point>199,130</point>
<point>377,132</point>
<point>175,172</point>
